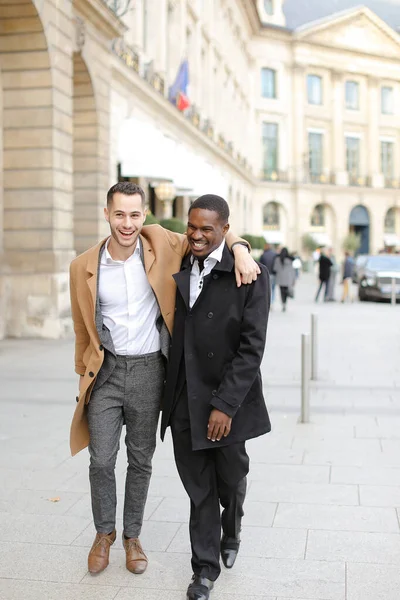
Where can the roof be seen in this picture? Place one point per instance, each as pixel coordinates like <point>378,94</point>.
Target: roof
<point>301,12</point>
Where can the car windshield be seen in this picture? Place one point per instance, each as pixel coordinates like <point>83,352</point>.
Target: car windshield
<point>384,263</point>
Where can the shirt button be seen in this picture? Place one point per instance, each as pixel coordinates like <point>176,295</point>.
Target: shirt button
<point>215,276</point>
<point>210,315</point>
<point>214,392</point>
<point>91,374</point>
<point>210,354</point>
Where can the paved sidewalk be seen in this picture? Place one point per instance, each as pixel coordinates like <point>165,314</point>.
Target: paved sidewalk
<point>323,506</point>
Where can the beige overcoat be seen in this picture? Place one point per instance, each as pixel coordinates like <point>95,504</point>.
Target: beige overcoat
<point>163,251</point>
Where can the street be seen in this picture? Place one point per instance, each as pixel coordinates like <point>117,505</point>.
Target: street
<point>322,515</point>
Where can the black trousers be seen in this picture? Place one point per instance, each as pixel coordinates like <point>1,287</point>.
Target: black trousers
<point>284,293</point>
<point>325,283</point>
<point>211,478</point>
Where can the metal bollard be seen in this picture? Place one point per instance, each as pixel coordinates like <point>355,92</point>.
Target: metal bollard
<point>314,347</point>
<point>305,378</point>
<point>393,291</point>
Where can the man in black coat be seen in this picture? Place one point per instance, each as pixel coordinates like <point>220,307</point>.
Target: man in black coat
<point>325,265</point>
<point>213,398</point>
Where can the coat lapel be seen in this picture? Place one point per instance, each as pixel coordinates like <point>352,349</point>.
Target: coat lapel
<point>92,269</point>
<point>147,254</point>
<point>182,280</point>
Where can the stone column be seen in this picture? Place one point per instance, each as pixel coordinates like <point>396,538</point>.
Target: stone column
<point>36,64</point>
<point>338,142</point>
<point>373,143</point>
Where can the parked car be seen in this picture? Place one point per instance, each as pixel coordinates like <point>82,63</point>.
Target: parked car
<point>376,277</point>
<point>359,263</point>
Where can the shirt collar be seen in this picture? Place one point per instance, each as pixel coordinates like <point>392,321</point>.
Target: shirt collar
<point>109,259</point>
<point>216,255</point>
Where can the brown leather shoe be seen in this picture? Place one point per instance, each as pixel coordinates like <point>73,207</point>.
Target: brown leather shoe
<point>100,551</point>
<point>136,560</point>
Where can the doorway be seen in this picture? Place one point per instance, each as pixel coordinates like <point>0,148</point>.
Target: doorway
<point>360,225</point>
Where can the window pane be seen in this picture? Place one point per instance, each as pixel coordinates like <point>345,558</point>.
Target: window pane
<point>314,88</point>
<point>315,145</point>
<point>353,156</point>
<point>269,7</point>
<point>387,153</point>
<point>352,95</point>
<point>387,100</point>
<point>268,81</point>
<point>270,148</point>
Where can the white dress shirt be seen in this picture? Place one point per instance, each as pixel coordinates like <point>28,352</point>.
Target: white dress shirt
<point>128,304</point>
<point>197,277</point>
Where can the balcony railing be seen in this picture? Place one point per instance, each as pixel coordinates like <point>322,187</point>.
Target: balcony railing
<point>268,175</point>
<point>319,178</point>
<point>126,54</point>
<point>390,182</point>
<point>357,180</point>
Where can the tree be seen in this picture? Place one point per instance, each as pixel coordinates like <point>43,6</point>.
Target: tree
<point>173,225</point>
<point>352,242</point>
<point>308,243</point>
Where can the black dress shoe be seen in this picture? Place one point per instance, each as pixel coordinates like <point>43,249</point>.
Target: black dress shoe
<point>199,588</point>
<point>229,550</point>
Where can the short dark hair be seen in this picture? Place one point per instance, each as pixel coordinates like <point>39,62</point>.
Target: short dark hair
<point>127,188</point>
<point>215,203</point>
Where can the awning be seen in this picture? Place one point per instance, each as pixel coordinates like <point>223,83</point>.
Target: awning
<point>391,239</point>
<point>145,151</point>
<point>274,237</point>
<point>321,238</point>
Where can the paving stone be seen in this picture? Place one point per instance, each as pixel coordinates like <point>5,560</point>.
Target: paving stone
<point>337,518</point>
<point>42,562</point>
<point>276,474</point>
<point>354,547</point>
<point>146,594</point>
<point>304,493</point>
<point>40,529</point>
<point>11,589</point>
<point>332,444</point>
<point>366,475</point>
<point>374,495</point>
<point>40,502</point>
<point>373,582</point>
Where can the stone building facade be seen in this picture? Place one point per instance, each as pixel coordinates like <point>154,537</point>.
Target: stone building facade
<point>84,101</point>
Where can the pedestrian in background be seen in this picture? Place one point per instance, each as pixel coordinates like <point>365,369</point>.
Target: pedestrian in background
<point>267,259</point>
<point>348,270</point>
<point>332,277</point>
<point>325,265</point>
<point>285,275</point>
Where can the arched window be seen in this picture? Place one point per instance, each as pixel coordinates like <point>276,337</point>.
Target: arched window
<point>318,216</point>
<point>271,215</point>
<point>269,7</point>
<point>390,221</point>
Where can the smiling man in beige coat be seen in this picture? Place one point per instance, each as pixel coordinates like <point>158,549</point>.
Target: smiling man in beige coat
<point>122,300</point>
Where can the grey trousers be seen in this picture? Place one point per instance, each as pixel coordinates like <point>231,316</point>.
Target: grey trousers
<point>131,395</point>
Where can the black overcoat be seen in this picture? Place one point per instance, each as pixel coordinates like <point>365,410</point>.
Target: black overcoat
<point>222,340</point>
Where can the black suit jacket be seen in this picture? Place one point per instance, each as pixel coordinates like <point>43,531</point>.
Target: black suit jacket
<point>220,344</point>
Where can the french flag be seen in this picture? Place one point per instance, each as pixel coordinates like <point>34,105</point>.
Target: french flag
<point>178,94</point>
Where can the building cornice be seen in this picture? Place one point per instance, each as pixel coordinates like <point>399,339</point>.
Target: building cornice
<point>249,8</point>
<point>101,17</point>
